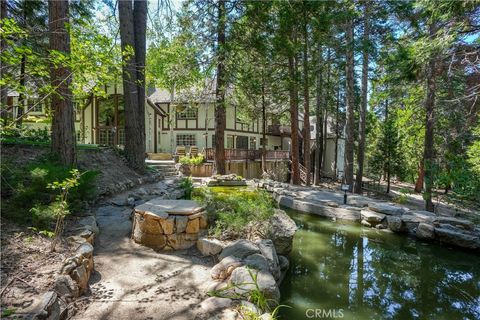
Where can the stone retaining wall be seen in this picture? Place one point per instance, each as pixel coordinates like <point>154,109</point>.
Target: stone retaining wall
<point>421,224</point>
<point>72,279</point>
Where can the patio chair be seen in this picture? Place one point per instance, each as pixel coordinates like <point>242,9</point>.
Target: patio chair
<point>193,151</point>
<point>180,152</point>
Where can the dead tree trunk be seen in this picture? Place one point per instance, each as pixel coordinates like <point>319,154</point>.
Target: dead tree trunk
<point>349,145</point>
<point>363,106</point>
<point>220,115</point>
<point>132,16</point>
<point>63,129</point>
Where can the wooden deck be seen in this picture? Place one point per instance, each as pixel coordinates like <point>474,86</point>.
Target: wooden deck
<point>245,154</point>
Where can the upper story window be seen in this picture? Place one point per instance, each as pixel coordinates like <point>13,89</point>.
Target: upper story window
<point>187,114</point>
<point>35,105</point>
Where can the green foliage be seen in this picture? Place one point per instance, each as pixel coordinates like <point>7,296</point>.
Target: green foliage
<point>33,189</point>
<point>187,186</point>
<point>233,210</point>
<point>24,134</point>
<point>195,160</point>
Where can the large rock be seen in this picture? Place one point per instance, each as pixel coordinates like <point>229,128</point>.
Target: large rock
<point>209,246</point>
<point>411,219</point>
<point>394,223</point>
<point>458,237</point>
<point>459,223</point>
<point>372,217</point>
<point>50,308</point>
<point>282,230</point>
<point>243,279</point>
<point>225,267</point>
<point>66,287</point>
<point>425,231</point>
<point>268,251</point>
<point>240,249</point>
<point>168,225</point>
<point>257,261</point>
<point>90,223</point>
<point>386,208</point>
<point>213,304</point>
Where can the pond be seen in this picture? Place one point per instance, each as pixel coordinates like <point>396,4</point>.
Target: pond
<point>346,271</point>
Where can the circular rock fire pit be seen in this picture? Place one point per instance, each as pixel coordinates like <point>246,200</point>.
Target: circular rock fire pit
<point>168,224</point>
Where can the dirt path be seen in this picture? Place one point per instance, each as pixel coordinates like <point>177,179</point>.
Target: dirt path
<point>135,282</point>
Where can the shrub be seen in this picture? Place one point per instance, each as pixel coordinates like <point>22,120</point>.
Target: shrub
<point>26,196</point>
<point>195,161</point>
<point>187,186</point>
<point>232,211</point>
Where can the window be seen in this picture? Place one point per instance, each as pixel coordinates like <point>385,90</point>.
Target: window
<point>35,105</point>
<point>253,143</point>
<point>261,141</point>
<point>242,142</point>
<point>187,113</point>
<point>186,140</point>
<point>230,141</point>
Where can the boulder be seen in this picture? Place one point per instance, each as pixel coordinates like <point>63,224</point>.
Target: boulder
<point>282,230</point>
<point>85,250</point>
<point>243,279</point>
<point>249,307</point>
<point>425,231</point>
<point>209,246</point>
<point>372,217</point>
<point>257,261</point>
<point>90,223</point>
<point>66,287</point>
<point>385,208</point>
<point>225,267</point>
<point>458,237</point>
<point>394,223</point>
<point>268,251</point>
<point>130,201</point>
<point>284,263</point>
<point>240,249</point>
<point>411,219</point>
<point>80,275</point>
<point>459,223</point>
<point>213,304</point>
<point>51,308</point>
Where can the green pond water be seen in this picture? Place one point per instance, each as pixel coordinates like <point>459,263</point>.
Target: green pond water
<point>346,271</point>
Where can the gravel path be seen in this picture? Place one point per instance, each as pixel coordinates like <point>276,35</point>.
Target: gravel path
<point>135,282</point>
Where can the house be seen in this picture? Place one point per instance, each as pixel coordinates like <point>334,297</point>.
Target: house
<point>187,120</point>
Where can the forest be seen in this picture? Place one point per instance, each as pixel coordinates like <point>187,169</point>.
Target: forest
<point>399,79</point>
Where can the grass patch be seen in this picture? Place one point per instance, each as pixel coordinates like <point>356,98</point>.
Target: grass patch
<point>231,209</point>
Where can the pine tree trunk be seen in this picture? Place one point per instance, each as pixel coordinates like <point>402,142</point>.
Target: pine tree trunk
<point>428,153</point>
<point>337,132</point>
<point>349,145</point>
<point>132,17</point>
<point>21,96</point>
<point>3,65</point>
<point>419,182</point>
<point>318,119</point>
<point>306,103</point>
<point>220,115</point>
<point>264,125</point>
<point>63,126</point>
<point>325,109</point>
<point>363,106</point>
<point>293,119</point>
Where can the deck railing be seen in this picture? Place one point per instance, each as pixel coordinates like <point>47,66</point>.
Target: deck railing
<point>245,154</point>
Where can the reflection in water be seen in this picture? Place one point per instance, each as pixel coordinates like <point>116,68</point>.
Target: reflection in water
<point>371,274</point>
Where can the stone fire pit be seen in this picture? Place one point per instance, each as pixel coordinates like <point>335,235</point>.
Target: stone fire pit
<point>168,224</point>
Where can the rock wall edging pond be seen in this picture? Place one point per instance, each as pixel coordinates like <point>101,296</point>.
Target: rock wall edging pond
<point>423,225</point>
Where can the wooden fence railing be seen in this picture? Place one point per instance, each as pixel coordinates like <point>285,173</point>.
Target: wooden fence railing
<point>245,154</point>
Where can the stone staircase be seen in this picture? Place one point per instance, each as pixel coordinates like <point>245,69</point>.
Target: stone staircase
<point>166,167</point>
